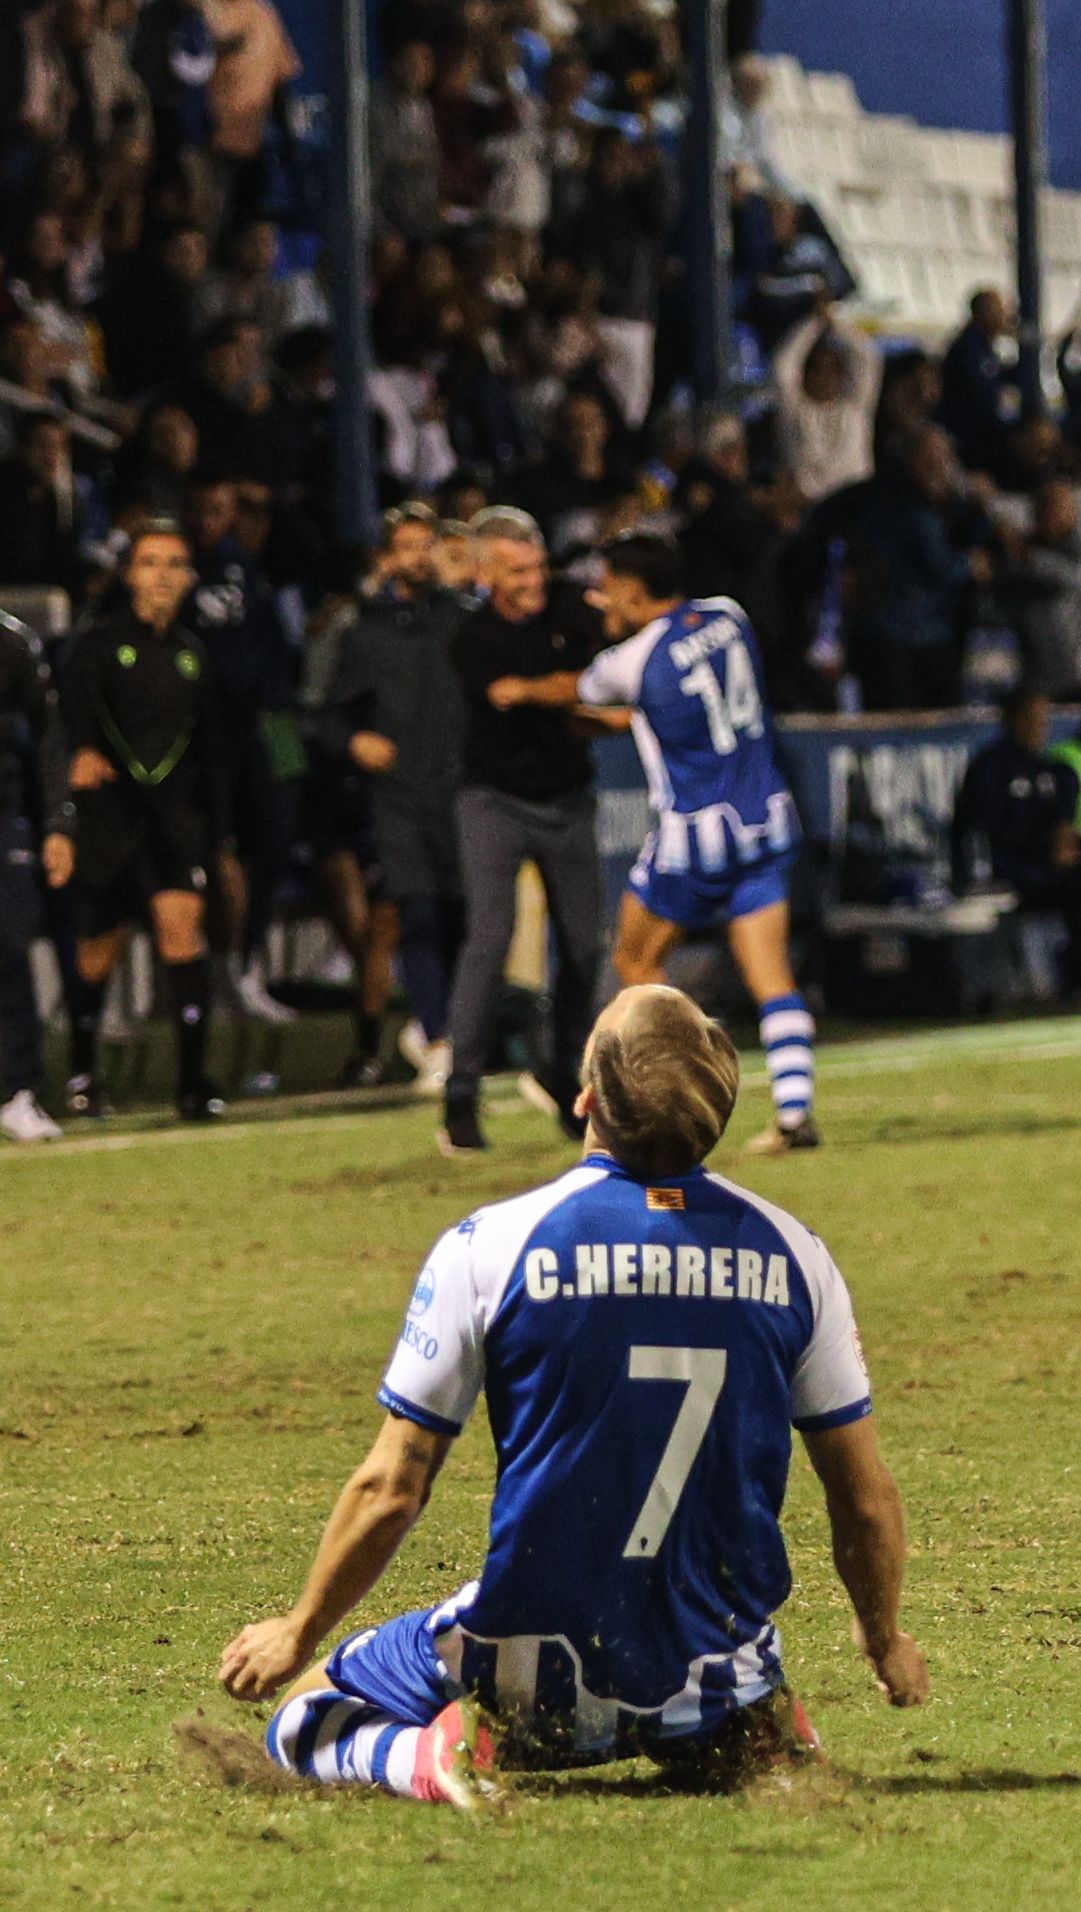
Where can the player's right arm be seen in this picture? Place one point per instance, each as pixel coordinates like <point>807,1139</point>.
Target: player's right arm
<point>429,1390</point>
<point>375,1511</point>
<point>867,1523</point>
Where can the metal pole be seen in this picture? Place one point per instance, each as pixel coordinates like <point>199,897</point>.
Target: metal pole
<point>1027,47</point>
<point>349,237</point>
<point>709,221</point>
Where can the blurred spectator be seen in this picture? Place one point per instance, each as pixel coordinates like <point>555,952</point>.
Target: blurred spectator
<point>787,261</point>
<point>405,147</point>
<point>979,391</point>
<point>455,558</point>
<point>41,513</point>
<point>730,541</point>
<point>174,56</point>
<point>247,286</point>
<point>745,125</point>
<point>828,375</point>
<point>581,472</point>
<point>102,90</point>
<point>40,285</point>
<point>393,711</point>
<point>1043,580</point>
<point>1017,810</point>
<point>151,316</point>
<point>230,400</point>
<point>917,551</point>
<point>619,236</point>
<point>909,396</point>
<point>156,466</point>
<point>255,60</point>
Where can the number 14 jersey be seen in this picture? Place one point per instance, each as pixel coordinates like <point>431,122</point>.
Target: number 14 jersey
<point>703,730</point>
<point>644,1353</point>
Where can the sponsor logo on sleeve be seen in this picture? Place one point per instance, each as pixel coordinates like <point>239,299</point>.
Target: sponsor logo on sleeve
<point>423,1294</point>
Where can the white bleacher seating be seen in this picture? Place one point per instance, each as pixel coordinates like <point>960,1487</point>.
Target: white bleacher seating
<point>925,214</point>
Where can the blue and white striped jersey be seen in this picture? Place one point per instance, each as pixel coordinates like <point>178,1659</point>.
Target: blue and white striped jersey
<point>644,1353</point>
<point>703,730</point>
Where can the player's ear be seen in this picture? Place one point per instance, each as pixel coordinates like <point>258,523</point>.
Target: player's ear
<point>586,1103</point>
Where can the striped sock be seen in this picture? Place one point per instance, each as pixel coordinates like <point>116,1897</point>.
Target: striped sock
<point>787,1029</point>
<point>333,1738</point>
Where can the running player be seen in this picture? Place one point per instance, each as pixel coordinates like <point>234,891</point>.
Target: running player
<point>646,1334</point>
<point>146,781</point>
<point>726,831</point>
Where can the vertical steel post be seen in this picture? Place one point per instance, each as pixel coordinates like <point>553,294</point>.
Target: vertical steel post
<point>1027,48</point>
<point>709,213</point>
<point>349,238</point>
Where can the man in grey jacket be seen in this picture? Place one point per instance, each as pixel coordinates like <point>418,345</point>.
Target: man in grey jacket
<point>391,721</point>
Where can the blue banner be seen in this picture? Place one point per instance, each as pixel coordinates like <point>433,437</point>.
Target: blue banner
<point>903,774</point>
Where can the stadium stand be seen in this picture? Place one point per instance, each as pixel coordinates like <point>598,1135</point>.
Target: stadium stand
<point>902,536</point>
<point>925,214</point>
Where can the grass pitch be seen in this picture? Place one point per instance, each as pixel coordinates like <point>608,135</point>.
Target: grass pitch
<point>192,1328</point>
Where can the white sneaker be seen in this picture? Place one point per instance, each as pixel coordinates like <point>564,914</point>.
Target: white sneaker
<point>431,1060</point>
<point>256,1001</point>
<point>24,1119</point>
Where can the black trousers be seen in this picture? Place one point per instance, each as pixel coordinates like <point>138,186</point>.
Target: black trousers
<point>498,834</point>
<point>20,1029</point>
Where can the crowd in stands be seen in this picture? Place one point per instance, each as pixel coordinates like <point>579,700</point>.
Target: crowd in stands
<point>167,347</point>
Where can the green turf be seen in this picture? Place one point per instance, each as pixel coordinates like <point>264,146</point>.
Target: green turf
<point>191,1332</point>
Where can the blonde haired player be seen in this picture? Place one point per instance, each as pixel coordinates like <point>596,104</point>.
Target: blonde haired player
<point>646,1335</point>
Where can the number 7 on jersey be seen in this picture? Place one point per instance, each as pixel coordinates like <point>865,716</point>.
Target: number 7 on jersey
<point>702,1370</point>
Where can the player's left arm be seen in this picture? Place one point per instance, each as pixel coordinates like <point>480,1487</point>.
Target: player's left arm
<point>868,1528</point>
<point>375,1511</point>
<point>831,1401</point>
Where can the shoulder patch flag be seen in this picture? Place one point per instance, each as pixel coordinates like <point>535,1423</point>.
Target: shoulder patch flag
<point>665,1198</point>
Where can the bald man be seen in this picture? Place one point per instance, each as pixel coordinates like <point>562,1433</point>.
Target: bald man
<point>647,1335</point>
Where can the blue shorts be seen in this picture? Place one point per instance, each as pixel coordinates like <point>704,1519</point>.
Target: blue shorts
<point>397,1668</point>
<point>697,899</point>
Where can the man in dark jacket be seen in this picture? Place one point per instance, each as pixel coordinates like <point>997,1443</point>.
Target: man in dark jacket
<point>28,706</point>
<point>389,739</point>
<point>915,549</point>
<point>979,392</point>
<point>527,794</point>
<point>138,704</point>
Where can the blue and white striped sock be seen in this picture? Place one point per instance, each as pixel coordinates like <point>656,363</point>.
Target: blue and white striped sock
<point>330,1737</point>
<point>787,1029</point>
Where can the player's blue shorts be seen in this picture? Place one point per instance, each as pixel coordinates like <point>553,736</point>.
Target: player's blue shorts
<point>397,1669</point>
<point>697,898</point>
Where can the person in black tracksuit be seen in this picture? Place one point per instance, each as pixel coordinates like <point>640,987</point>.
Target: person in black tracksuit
<point>28,715</point>
<point>138,703</point>
<point>391,722</point>
<point>1017,811</point>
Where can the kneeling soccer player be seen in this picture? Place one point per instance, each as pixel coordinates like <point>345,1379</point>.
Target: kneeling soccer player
<point>646,1334</point>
